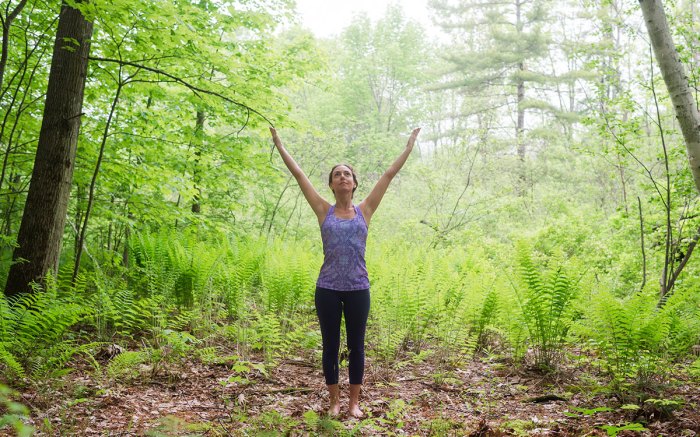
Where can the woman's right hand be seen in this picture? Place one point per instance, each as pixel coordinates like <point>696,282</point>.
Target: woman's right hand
<point>317,203</point>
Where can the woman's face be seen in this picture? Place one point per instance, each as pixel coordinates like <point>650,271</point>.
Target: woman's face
<point>342,178</point>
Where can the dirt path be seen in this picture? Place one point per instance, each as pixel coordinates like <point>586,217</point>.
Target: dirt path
<point>478,398</point>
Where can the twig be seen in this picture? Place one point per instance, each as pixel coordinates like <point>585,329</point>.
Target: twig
<point>299,363</point>
<point>644,256</point>
<point>440,388</point>
<point>545,398</point>
<point>292,390</point>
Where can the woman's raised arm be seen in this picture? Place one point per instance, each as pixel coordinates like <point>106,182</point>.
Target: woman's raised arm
<point>370,204</point>
<point>317,203</point>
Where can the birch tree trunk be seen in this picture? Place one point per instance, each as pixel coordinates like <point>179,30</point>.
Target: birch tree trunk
<point>676,81</point>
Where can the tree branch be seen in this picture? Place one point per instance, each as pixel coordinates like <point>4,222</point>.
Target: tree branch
<point>680,267</point>
<point>644,256</point>
<point>195,89</point>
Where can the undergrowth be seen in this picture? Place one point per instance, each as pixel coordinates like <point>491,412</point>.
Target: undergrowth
<point>182,296</point>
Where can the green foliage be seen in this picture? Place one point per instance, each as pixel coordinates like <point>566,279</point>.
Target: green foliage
<point>178,343</point>
<point>486,317</point>
<point>287,281</point>
<point>518,427</point>
<point>14,368</point>
<point>591,411</point>
<point>268,334</point>
<point>121,312</point>
<point>323,425</point>
<point>694,369</point>
<point>13,414</point>
<point>546,302</point>
<point>662,408</point>
<point>683,312</point>
<point>613,430</point>
<point>631,334</point>
<point>242,276</point>
<point>179,273</point>
<point>402,295</point>
<point>126,364</point>
<point>441,426</point>
<point>36,330</point>
<point>274,423</point>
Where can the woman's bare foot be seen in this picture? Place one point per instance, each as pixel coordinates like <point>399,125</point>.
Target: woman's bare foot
<point>354,407</point>
<point>356,412</point>
<point>334,395</point>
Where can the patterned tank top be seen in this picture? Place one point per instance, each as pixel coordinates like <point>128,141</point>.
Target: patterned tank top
<point>344,243</point>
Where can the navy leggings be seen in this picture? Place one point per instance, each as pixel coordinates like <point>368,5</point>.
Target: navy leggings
<point>330,306</point>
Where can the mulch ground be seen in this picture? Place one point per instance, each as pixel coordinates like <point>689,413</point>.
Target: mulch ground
<point>477,398</point>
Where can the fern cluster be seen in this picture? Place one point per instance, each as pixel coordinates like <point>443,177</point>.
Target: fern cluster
<point>177,266</point>
<point>633,336</point>
<point>426,297</point>
<point>453,301</point>
<point>35,330</point>
<point>546,303</point>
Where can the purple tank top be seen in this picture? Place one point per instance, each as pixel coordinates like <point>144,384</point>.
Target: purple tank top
<point>344,243</point>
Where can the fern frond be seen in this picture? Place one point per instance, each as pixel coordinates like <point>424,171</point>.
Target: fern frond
<point>125,364</point>
<point>10,361</point>
<point>546,306</point>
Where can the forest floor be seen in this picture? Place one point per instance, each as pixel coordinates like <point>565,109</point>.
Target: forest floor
<point>481,397</point>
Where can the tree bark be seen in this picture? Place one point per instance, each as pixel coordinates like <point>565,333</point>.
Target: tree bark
<point>6,23</point>
<point>644,255</point>
<point>196,170</point>
<point>520,127</point>
<point>676,81</point>
<point>41,231</point>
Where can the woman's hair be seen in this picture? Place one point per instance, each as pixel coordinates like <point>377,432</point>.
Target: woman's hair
<point>352,170</point>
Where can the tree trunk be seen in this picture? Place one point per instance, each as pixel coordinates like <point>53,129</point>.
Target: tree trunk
<point>6,23</point>
<point>676,81</point>
<point>196,171</point>
<point>41,231</point>
<point>520,127</point>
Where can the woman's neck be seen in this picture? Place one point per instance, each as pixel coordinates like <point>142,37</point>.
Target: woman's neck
<point>343,204</point>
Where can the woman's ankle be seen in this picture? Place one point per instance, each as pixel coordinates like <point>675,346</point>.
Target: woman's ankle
<point>334,396</point>
<point>354,405</point>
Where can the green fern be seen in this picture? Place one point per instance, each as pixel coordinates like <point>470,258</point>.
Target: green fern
<point>694,369</point>
<point>683,312</point>
<point>56,357</point>
<point>486,316</point>
<point>36,329</point>
<point>126,364</point>
<point>10,362</point>
<point>240,277</point>
<point>13,414</point>
<point>629,333</point>
<point>389,343</point>
<point>546,306</point>
<point>131,315</point>
<point>269,334</point>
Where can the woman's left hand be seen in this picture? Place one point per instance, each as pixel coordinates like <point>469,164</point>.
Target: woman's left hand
<point>412,138</point>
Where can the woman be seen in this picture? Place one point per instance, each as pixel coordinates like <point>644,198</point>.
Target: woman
<point>343,284</point>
